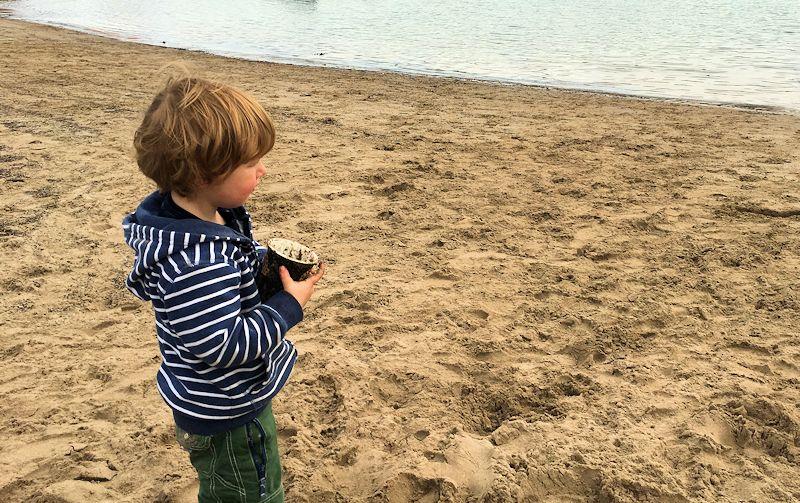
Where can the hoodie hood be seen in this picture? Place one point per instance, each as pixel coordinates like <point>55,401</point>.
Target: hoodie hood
<point>155,237</point>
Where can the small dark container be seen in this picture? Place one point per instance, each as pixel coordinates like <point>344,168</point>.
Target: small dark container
<point>300,260</point>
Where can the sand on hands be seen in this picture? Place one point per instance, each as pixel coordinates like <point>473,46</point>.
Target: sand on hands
<point>532,294</point>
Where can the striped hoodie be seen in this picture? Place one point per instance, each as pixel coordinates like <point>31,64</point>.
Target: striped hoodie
<point>224,353</point>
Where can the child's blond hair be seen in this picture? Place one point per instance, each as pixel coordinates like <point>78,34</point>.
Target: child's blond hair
<point>196,130</point>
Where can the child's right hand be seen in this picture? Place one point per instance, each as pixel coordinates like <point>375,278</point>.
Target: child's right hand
<point>300,290</point>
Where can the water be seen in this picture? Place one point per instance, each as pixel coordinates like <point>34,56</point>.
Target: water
<point>735,51</point>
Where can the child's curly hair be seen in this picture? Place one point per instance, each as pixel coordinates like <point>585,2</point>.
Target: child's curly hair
<point>196,131</point>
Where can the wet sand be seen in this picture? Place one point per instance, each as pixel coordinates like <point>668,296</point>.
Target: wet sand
<point>534,295</point>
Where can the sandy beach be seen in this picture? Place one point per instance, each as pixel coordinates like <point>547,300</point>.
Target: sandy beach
<point>533,295</point>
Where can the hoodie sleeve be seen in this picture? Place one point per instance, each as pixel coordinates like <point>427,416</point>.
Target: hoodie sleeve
<point>203,307</point>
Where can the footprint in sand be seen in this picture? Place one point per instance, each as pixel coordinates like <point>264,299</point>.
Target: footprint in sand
<point>411,487</point>
<point>321,403</point>
<point>102,227</point>
<point>104,324</point>
<point>100,326</point>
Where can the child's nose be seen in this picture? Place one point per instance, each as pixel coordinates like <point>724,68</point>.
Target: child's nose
<point>261,170</point>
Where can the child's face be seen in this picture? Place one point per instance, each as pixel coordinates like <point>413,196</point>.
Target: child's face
<point>233,190</point>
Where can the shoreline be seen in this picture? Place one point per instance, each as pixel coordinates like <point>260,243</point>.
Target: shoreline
<point>532,294</point>
<point>774,109</point>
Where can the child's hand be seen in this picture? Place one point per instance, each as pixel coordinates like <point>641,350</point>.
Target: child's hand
<point>301,290</point>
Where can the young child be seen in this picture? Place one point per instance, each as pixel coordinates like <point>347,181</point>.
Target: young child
<point>224,353</point>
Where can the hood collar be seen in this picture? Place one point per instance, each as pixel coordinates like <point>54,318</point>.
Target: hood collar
<point>148,214</point>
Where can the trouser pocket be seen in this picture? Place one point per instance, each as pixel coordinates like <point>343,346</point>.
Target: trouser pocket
<point>191,442</point>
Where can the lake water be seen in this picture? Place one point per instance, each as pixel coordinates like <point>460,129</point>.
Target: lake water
<point>739,51</point>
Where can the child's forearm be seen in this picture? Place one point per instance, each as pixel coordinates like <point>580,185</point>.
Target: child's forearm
<point>203,307</point>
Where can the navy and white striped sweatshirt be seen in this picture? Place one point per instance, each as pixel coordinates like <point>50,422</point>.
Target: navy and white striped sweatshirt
<point>224,353</point>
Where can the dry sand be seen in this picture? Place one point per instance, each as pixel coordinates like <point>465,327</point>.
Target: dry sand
<point>534,295</point>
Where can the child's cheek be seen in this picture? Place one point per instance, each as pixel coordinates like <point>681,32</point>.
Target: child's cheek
<point>246,190</point>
